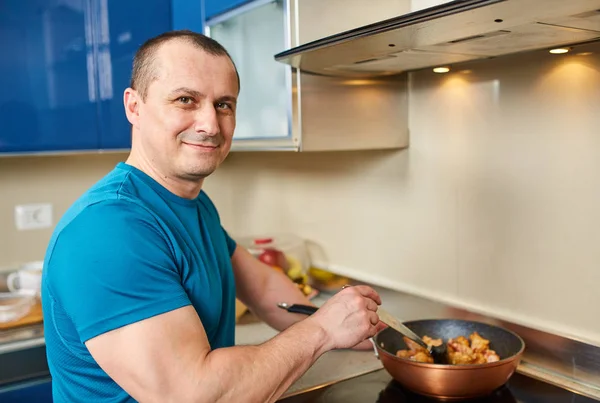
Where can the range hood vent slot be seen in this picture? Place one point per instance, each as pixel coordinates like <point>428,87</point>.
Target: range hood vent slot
<point>373,59</point>
<point>471,38</point>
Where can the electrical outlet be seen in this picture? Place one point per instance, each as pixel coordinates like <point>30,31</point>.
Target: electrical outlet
<point>33,216</point>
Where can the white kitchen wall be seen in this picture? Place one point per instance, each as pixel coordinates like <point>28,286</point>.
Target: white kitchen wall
<point>495,206</point>
<point>58,180</point>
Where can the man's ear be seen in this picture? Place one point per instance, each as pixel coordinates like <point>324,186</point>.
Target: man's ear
<point>131,100</point>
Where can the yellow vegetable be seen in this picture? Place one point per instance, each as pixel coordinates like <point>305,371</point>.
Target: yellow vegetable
<point>321,275</point>
<point>295,270</point>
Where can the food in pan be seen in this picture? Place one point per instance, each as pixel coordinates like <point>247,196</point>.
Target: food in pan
<point>461,351</point>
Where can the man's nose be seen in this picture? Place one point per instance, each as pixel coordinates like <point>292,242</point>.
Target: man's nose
<point>207,121</point>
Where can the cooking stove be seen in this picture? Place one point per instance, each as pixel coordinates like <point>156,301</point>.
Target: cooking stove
<point>379,387</point>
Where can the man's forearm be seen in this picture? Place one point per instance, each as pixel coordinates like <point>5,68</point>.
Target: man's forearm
<point>231,374</point>
<point>280,289</point>
<point>261,288</point>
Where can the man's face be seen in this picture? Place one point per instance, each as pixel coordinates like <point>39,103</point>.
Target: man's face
<point>186,123</point>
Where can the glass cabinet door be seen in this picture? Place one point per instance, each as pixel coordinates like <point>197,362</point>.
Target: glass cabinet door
<point>253,34</point>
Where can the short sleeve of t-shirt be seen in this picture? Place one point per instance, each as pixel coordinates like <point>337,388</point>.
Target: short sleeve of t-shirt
<point>231,244</point>
<point>208,203</point>
<point>113,265</point>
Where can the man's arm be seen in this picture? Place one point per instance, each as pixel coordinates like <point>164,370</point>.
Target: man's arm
<point>261,288</point>
<point>167,358</point>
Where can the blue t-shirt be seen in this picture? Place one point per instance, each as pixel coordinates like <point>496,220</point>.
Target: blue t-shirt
<point>128,250</point>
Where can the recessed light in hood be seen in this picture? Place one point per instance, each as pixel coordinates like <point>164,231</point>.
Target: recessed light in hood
<point>455,32</point>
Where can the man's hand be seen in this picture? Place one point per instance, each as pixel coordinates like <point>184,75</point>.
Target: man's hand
<point>349,317</point>
<point>367,344</point>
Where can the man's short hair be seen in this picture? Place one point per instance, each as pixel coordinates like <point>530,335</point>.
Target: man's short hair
<point>144,63</point>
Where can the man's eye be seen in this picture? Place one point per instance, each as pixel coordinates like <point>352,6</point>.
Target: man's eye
<point>223,105</point>
<point>185,100</point>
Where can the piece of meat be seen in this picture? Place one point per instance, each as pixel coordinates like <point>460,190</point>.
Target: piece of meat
<point>432,342</point>
<point>461,340</point>
<point>461,350</point>
<point>412,345</point>
<point>404,353</point>
<point>479,359</point>
<point>461,345</point>
<point>478,343</point>
<point>458,358</point>
<point>415,352</point>
<point>491,356</point>
<point>422,356</point>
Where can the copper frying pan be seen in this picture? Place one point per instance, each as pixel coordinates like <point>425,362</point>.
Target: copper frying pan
<point>451,382</point>
<point>445,381</point>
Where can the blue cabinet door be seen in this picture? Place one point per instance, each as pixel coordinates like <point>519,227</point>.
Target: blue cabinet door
<point>122,26</point>
<point>29,392</point>
<point>187,14</point>
<point>47,77</point>
<point>215,7</point>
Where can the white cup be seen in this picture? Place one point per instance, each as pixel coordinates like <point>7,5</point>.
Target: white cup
<point>26,280</point>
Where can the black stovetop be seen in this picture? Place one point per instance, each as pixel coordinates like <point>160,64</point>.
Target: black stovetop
<point>379,387</point>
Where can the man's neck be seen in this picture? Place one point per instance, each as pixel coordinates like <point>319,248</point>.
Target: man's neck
<point>180,187</point>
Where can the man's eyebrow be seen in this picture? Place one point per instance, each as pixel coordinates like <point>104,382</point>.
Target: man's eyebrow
<point>228,98</point>
<point>187,91</point>
<point>198,94</point>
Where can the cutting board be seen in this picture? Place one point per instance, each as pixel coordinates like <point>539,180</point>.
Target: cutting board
<point>240,309</point>
<point>33,317</point>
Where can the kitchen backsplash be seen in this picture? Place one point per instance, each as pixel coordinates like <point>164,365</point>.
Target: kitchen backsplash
<point>494,206</point>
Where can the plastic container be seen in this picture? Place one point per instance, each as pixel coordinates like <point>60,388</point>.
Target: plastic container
<point>15,305</point>
<point>284,251</point>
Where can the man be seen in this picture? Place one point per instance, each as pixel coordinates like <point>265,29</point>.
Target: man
<point>140,278</point>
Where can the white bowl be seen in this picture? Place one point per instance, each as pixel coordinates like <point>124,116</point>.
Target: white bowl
<point>15,305</point>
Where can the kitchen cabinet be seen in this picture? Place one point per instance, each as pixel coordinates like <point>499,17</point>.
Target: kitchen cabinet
<point>187,14</point>
<point>213,8</point>
<point>48,97</point>
<point>280,108</point>
<point>252,37</point>
<point>63,68</point>
<point>39,391</point>
<point>118,38</point>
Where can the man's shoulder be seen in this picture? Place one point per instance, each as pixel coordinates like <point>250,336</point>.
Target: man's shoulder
<point>206,202</point>
<point>109,192</point>
<point>111,198</point>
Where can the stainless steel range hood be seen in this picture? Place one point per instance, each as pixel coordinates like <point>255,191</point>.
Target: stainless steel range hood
<point>458,31</point>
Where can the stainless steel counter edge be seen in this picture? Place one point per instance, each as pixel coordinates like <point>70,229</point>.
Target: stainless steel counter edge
<point>22,345</point>
<point>21,338</point>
